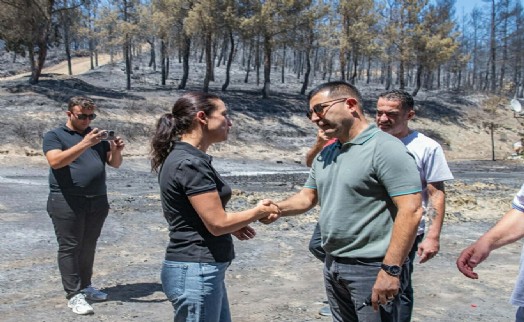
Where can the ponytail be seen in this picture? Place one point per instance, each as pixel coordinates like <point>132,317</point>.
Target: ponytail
<point>163,140</point>
<point>172,125</point>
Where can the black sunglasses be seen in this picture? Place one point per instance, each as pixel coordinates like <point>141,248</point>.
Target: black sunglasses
<point>321,108</point>
<point>85,116</point>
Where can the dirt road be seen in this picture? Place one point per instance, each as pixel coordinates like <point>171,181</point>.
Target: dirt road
<point>79,65</point>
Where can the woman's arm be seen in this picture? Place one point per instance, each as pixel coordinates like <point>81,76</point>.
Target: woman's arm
<point>209,207</point>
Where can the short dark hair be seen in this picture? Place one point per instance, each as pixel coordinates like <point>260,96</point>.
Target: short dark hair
<point>337,88</point>
<point>406,100</point>
<point>82,101</point>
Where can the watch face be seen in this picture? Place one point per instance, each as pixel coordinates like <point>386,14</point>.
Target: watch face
<point>393,270</point>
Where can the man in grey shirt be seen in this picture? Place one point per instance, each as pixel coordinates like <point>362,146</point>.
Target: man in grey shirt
<point>370,195</point>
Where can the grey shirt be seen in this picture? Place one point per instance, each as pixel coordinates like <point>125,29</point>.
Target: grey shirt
<point>355,182</point>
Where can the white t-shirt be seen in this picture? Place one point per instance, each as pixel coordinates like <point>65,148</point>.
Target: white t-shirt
<point>517,298</point>
<point>431,164</point>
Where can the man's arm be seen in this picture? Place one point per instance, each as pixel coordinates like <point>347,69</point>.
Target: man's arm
<point>114,156</point>
<point>508,230</point>
<point>297,204</point>
<point>60,158</point>
<point>430,246</point>
<point>409,213</point>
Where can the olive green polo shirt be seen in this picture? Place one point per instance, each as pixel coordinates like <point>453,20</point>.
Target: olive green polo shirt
<point>355,182</point>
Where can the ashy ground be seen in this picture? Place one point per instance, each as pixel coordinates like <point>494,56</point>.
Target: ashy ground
<point>273,278</point>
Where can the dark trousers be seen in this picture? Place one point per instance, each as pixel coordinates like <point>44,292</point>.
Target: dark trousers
<point>402,311</point>
<point>349,282</point>
<point>77,221</point>
<point>407,298</point>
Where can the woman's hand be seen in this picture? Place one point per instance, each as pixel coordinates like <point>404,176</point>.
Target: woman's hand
<point>244,233</point>
<point>270,210</point>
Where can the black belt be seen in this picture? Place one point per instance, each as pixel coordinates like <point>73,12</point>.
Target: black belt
<point>355,261</point>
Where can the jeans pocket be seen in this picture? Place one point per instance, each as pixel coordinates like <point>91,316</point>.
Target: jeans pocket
<point>173,278</point>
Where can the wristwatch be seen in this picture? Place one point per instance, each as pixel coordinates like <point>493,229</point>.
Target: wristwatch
<point>393,270</point>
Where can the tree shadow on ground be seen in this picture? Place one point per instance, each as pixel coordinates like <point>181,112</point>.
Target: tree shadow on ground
<point>439,112</point>
<point>252,104</point>
<point>134,292</point>
<point>280,107</point>
<point>61,89</point>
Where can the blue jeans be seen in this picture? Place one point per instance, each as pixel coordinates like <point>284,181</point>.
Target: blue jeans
<point>197,291</point>
<point>349,285</point>
<point>519,317</point>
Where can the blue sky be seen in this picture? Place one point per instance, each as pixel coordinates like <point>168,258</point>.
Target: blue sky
<point>468,5</point>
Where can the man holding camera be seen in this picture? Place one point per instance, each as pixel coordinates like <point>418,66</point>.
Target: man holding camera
<point>77,203</point>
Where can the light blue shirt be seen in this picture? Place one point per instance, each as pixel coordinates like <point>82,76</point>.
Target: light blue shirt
<point>517,298</point>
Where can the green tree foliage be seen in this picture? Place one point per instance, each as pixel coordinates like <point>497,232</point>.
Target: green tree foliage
<point>169,19</point>
<point>108,35</point>
<point>358,32</point>
<point>68,21</point>
<point>434,41</point>
<point>271,19</point>
<point>26,26</point>
<point>308,38</point>
<point>401,43</point>
<point>204,20</point>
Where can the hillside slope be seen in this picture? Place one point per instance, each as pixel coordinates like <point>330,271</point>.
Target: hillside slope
<point>274,128</point>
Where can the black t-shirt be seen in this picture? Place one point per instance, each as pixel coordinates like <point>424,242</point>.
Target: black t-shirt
<point>85,176</point>
<point>188,171</point>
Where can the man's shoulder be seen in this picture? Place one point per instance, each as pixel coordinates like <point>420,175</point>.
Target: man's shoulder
<point>417,139</point>
<point>54,130</point>
<point>62,128</point>
<point>53,134</point>
<point>384,139</point>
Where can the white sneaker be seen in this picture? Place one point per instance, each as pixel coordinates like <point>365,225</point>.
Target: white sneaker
<point>79,305</point>
<point>94,294</point>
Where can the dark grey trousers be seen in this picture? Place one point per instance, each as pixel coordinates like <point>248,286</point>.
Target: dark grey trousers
<point>78,222</point>
<point>349,285</point>
<point>407,298</point>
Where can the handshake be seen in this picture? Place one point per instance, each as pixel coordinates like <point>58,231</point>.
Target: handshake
<point>268,211</point>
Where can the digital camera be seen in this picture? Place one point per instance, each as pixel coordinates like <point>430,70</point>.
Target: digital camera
<point>108,135</point>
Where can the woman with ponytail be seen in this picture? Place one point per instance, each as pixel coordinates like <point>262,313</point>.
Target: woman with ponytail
<point>194,197</point>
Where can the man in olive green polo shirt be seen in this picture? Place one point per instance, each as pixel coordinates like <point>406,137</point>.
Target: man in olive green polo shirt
<point>369,189</point>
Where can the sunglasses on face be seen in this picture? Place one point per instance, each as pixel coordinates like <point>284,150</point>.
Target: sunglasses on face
<point>321,108</point>
<point>82,117</point>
